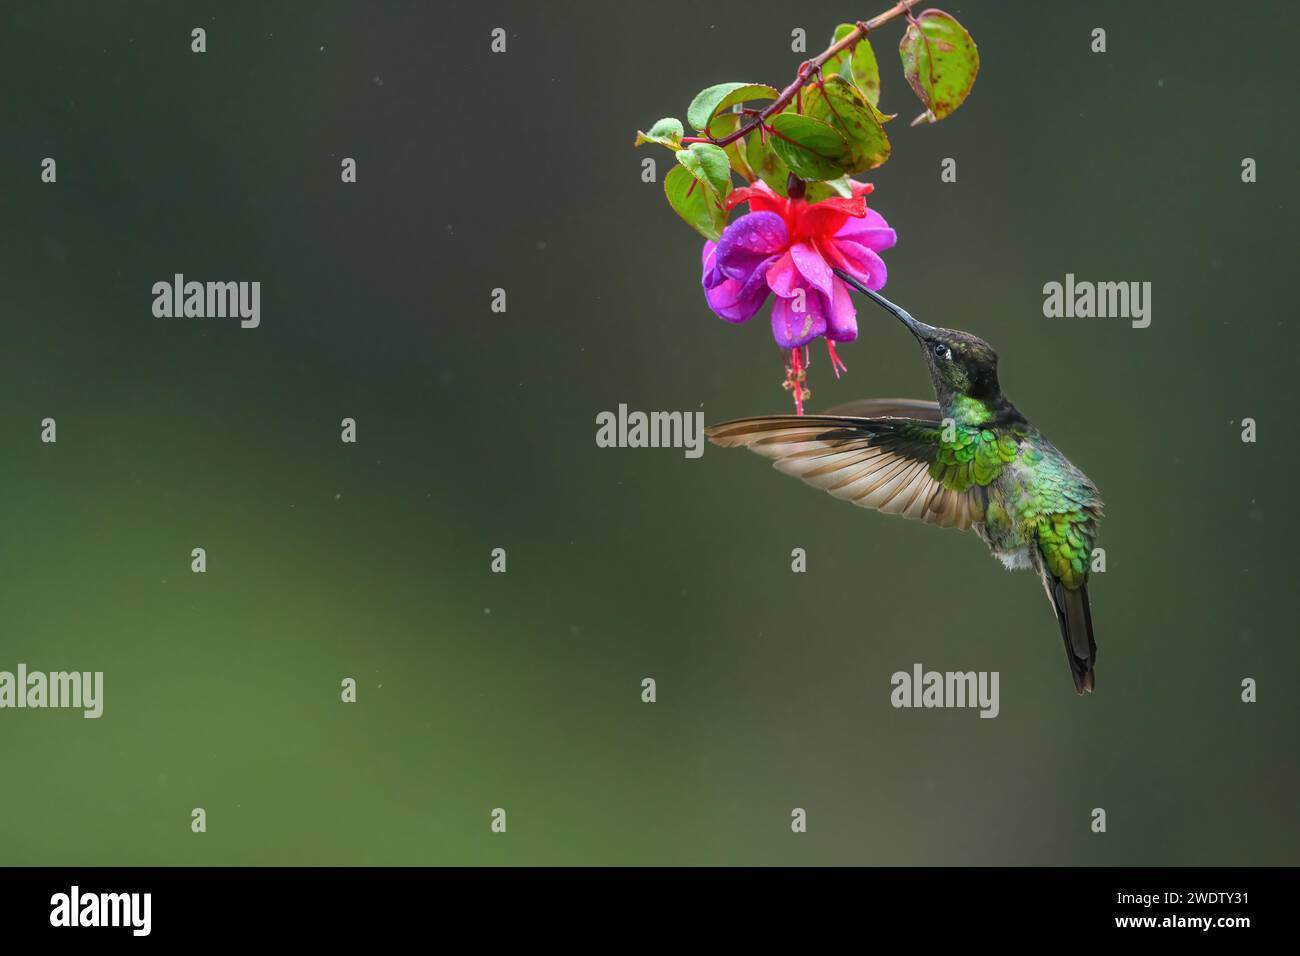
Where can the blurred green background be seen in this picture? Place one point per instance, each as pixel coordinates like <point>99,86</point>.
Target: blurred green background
<point>476,431</point>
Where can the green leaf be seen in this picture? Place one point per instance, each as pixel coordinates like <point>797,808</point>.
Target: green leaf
<point>832,187</point>
<point>715,99</point>
<point>838,65</point>
<point>813,150</point>
<point>864,72</point>
<point>748,93</point>
<point>722,125</point>
<point>858,66</point>
<point>666,132</point>
<point>763,160</point>
<point>842,105</point>
<point>697,189</point>
<point>940,62</point>
<point>710,165</point>
<point>695,202</point>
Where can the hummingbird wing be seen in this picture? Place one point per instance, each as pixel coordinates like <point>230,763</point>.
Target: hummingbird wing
<point>881,462</point>
<point>916,408</point>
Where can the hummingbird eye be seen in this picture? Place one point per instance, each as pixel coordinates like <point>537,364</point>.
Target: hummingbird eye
<point>940,349</point>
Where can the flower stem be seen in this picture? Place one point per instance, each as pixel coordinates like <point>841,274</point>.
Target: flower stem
<point>812,68</point>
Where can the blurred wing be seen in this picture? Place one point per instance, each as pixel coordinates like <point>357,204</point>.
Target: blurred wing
<point>880,463</point>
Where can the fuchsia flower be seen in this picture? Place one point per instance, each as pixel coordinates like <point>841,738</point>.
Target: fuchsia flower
<point>789,247</point>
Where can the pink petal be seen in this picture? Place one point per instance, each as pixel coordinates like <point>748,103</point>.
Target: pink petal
<point>870,231</point>
<point>812,266</point>
<point>842,323</point>
<point>783,277</point>
<point>858,261</point>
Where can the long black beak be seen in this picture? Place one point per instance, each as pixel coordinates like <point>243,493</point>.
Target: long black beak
<point>919,329</point>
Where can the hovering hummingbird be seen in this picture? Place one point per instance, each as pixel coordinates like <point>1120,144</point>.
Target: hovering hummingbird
<point>969,460</point>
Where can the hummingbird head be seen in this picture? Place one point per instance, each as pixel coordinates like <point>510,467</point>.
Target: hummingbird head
<point>959,363</point>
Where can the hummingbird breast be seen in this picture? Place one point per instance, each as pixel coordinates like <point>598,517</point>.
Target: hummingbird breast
<point>1039,490</point>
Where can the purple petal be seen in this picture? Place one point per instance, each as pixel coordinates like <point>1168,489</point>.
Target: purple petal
<point>737,301</point>
<point>709,261</point>
<point>792,329</point>
<point>749,241</point>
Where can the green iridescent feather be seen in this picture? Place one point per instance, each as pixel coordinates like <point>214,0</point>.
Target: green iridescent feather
<point>970,456</point>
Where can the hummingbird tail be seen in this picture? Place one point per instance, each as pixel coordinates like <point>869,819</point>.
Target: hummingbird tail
<point>1075,617</point>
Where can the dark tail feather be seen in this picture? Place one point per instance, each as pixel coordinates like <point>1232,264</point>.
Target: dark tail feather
<point>1075,617</point>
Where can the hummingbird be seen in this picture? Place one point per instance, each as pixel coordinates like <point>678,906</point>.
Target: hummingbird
<point>969,460</point>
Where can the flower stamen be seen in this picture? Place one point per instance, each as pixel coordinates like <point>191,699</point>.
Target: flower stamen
<point>837,363</point>
<point>796,377</point>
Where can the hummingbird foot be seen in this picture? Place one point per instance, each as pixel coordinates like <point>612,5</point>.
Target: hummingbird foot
<point>796,377</point>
